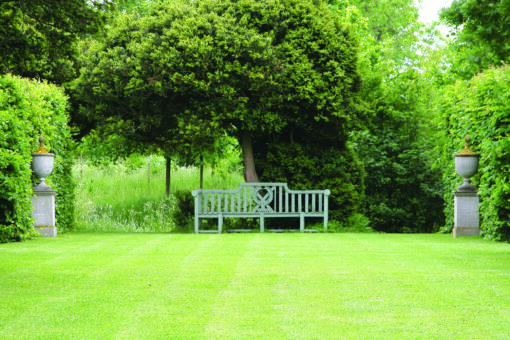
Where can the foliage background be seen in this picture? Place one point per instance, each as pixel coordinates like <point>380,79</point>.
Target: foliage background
<point>29,109</point>
<point>479,34</point>
<point>283,72</point>
<point>403,193</point>
<point>479,108</point>
<point>39,37</point>
<point>290,74</point>
<point>316,166</point>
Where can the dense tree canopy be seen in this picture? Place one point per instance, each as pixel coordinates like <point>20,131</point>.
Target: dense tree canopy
<point>189,68</point>
<point>38,37</point>
<point>402,193</point>
<point>481,30</point>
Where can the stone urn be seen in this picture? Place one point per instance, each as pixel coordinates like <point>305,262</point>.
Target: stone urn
<point>466,164</point>
<point>42,165</point>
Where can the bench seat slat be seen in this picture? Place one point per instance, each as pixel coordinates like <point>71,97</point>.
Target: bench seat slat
<point>255,214</point>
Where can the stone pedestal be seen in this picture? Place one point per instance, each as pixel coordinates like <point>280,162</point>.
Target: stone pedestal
<point>43,203</point>
<point>466,220</point>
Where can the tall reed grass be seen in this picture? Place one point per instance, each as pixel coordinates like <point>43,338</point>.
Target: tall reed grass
<point>127,197</point>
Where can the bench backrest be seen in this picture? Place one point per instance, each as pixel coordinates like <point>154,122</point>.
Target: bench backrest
<point>261,197</point>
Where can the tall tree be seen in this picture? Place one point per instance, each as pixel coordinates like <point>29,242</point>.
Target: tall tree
<point>481,34</point>
<point>188,68</point>
<point>38,37</point>
<point>402,193</point>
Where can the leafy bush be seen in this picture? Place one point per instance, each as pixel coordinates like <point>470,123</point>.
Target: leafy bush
<point>356,223</point>
<point>29,109</point>
<point>403,193</point>
<point>309,167</point>
<point>184,211</point>
<point>480,109</point>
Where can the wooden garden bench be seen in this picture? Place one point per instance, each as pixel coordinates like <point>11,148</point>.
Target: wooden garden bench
<point>262,200</point>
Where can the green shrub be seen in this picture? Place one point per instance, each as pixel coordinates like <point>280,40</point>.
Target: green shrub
<point>356,223</point>
<point>316,167</point>
<point>29,109</point>
<point>480,108</point>
<point>184,211</point>
<point>403,194</point>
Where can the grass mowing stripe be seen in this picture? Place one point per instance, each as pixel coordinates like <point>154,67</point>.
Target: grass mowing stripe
<point>245,303</point>
<point>42,278</point>
<point>186,298</point>
<point>62,288</point>
<point>417,286</point>
<point>388,296</point>
<point>255,286</point>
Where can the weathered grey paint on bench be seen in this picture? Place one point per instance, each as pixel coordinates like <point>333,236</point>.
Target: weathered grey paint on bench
<point>260,200</point>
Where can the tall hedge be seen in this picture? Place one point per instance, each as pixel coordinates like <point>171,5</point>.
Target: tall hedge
<point>480,109</point>
<point>29,109</point>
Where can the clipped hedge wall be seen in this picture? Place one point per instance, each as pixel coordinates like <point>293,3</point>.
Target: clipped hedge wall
<point>480,109</point>
<point>29,109</point>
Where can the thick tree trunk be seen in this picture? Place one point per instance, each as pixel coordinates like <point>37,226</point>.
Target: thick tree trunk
<point>168,163</point>
<point>250,173</point>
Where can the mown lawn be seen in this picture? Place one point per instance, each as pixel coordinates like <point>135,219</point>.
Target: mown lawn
<point>244,286</point>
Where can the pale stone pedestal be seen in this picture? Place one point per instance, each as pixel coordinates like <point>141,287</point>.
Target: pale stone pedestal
<point>43,203</point>
<point>466,221</point>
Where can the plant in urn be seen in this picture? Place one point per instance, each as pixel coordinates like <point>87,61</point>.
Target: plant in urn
<point>466,164</point>
<point>42,165</point>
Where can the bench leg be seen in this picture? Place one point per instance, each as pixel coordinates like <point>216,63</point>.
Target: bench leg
<point>197,224</point>
<point>220,223</point>
<point>261,223</point>
<point>326,207</point>
<point>302,222</point>
<point>197,209</point>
